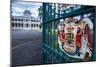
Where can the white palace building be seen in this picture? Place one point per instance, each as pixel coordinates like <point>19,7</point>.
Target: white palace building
<point>26,21</point>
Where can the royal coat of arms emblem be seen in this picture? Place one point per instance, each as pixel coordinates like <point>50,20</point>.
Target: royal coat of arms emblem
<point>75,37</point>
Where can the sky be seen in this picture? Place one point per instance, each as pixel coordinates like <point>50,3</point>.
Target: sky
<point>18,8</point>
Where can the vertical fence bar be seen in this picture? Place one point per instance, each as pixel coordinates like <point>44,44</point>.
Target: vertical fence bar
<point>94,36</point>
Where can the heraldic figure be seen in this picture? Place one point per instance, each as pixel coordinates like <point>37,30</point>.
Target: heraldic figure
<point>75,38</point>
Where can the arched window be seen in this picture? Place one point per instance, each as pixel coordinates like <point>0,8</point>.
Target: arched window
<point>27,20</point>
<point>15,19</point>
<point>12,24</point>
<point>19,20</point>
<point>15,24</point>
<point>31,20</point>
<point>34,25</point>
<point>18,24</point>
<point>27,25</point>
<point>21,24</point>
<point>12,19</point>
<point>31,25</point>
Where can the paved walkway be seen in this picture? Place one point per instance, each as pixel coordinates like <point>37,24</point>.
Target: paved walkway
<point>26,47</point>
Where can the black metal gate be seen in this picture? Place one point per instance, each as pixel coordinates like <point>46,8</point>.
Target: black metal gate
<point>52,14</point>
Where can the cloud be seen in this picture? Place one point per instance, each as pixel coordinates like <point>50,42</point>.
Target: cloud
<point>18,7</point>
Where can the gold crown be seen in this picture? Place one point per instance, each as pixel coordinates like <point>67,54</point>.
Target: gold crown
<point>70,28</point>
